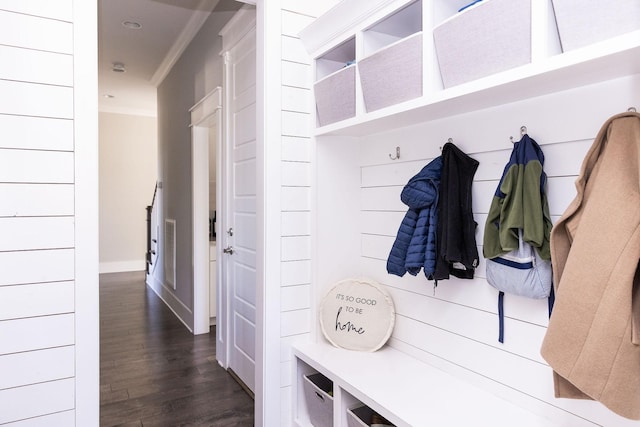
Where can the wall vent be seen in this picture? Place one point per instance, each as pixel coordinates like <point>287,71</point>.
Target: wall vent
<point>170,252</point>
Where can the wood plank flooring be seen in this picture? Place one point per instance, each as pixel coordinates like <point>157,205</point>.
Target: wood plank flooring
<point>153,371</point>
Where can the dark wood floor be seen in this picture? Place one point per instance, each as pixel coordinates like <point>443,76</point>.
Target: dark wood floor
<point>153,371</point>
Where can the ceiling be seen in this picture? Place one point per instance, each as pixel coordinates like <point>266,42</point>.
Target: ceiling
<point>147,53</point>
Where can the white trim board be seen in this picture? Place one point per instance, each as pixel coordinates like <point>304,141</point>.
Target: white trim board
<point>122,266</point>
<point>206,117</point>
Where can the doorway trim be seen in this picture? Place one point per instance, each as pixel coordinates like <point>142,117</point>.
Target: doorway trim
<point>204,114</point>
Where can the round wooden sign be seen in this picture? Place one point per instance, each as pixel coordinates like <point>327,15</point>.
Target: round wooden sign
<point>357,314</point>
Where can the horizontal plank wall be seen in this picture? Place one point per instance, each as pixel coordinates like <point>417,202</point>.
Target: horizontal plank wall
<point>43,147</point>
<point>295,197</point>
<point>455,325</point>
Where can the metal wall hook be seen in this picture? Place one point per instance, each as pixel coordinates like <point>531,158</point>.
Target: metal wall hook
<point>397,154</point>
<point>632,110</point>
<point>449,141</point>
<point>523,132</point>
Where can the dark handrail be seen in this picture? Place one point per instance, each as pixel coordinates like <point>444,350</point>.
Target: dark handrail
<point>149,213</point>
<point>155,190</point>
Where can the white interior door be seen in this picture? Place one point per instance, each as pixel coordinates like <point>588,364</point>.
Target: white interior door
<point>239,235</point>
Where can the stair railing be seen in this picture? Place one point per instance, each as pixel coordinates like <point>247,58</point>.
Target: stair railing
<point>151,242</point>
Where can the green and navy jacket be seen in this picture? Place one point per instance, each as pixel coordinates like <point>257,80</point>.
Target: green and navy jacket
<point>520,202</point>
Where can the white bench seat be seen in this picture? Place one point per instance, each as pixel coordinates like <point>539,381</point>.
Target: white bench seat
<point>407,391</point>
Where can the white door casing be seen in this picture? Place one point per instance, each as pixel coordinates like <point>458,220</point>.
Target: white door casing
<point>238,231</point>
<point>205,118</point>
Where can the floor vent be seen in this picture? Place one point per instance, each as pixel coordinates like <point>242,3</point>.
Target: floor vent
<point>170,252</point>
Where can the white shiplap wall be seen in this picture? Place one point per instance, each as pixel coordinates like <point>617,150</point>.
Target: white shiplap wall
<point>39,358</point>
<point>455,327</point>
<point>296,170</point>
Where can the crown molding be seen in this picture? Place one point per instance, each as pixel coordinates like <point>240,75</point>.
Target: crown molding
<point>331,26</point>
<point>128,111</point>
<point>198,18</point>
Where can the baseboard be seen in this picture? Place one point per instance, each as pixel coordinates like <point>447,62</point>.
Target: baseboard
<point>182,312</point>
<point>122,266</point>
<point>242,384</point>
<point>122,276</point>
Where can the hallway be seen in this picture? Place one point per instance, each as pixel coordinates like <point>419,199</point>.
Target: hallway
<point>153,371</point>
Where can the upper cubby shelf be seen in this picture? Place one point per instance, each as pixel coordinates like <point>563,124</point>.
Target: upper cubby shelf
<point>336,59</point>
<point>614,58</point>
<point>397,29</point>
<point>392,28</point>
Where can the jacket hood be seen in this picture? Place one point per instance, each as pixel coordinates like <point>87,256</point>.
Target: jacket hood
<point>524,151</point>
<point>422,190</point>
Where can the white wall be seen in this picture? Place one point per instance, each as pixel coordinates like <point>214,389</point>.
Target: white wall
<point>48,215</point>
<point>197,72</point>
<point>128,174</point>
<point>295,187</point>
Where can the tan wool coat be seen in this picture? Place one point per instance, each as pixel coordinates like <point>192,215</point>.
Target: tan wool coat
<point>593,339</point>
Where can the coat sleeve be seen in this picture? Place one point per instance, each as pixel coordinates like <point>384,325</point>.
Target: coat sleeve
<point>398,254</point>
<point>491,241</point>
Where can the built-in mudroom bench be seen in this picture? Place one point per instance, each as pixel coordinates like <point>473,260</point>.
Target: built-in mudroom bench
<point>402,389</point>
<point>389,94</point>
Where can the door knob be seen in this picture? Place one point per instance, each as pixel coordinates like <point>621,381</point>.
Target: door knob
<point>228,250</point>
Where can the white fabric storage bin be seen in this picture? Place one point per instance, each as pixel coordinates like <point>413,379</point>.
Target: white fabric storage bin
<point>393,74</point>
<point>361,416</point>
<point>319,402</point>
<point>336,96</point>
<point>582,22</point>
<point>489,37</point>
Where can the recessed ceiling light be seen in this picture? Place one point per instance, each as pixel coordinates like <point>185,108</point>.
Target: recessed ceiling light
<point>118,67</point>
<point>132,25</point>
<point>108,95</point>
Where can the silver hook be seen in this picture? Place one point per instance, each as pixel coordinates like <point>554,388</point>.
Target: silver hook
<point>397,154</point>
<point>523,132</point>
<point>449,141</point>
<point>632,110</point>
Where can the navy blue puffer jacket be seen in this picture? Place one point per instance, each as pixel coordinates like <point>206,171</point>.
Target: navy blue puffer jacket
<point>415,244</point>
